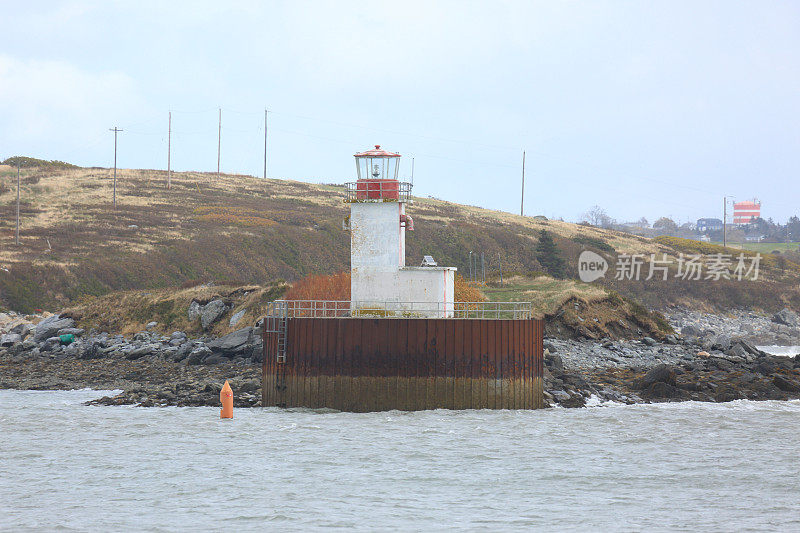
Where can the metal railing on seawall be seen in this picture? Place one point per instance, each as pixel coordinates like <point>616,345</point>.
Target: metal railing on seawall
<point>393,309</point>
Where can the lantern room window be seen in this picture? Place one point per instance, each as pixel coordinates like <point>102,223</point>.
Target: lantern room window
<point>377,171</point>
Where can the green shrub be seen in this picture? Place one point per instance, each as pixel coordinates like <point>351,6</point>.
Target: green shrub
<point>594,242</point>
<point>32,162</point>
<point>549,257</point>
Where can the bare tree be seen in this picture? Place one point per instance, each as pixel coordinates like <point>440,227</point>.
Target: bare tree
<point>597,216</point>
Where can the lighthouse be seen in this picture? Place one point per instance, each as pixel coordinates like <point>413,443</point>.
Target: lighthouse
<point>380,279</point>
<point>401,341</point>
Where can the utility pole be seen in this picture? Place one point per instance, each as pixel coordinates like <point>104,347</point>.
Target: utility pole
<point>470,266</point>
<point>500,266</point>
<point>219,139</point>
<point>483,269</point>
<point>115,130</point>
<point>169,153</point>
<point>265,144</point>
<point>522,199</point>
<point>412,171</point>
<point>17,239</point>
<point>724,221</point>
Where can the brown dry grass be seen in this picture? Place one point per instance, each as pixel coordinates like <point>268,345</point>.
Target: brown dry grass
<point>545,293</point>
<point>128,312</point>
<point>244,228</point>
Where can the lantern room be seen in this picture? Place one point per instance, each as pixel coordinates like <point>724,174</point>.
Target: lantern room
<point>377,171</point>
<point>377,164</point>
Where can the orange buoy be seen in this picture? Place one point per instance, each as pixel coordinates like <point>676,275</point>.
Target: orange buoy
<point>226,397</point>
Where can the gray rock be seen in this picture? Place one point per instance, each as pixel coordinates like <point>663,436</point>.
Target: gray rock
<point>50,326</point>
<point>212,312</point>
<point>197,355</point>
<point>246,385</point>
<point>183,351</point>
<point>649,341</point>
<point>194,311</point>
<point>151,325</point>
<point>784,384</point>
<point>10,339</point>
<point>235,342</point>
<point>138,353</point>
<point>658,374</point>
<point>22,329</point>
<point>236,318</point>
<point>90,350</point>
<point>50,344</point>
<point>661,389</point>
<point>554,361</point>
<point>560,395</point>
<point>721,342</point>
<point>689,331</point>
<point>71,331</point>
<point>748,347</point>
<point>737,351</point>
<point>786,317</point>
<point>574,401</point>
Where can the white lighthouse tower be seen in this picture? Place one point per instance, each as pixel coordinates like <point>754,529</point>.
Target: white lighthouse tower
<point>380,279</point>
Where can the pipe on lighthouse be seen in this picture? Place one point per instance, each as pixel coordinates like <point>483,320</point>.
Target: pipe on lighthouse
<point>408,221</point>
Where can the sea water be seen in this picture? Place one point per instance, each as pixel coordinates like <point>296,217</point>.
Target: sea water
<point>787,351</point>
<point>681,466</point>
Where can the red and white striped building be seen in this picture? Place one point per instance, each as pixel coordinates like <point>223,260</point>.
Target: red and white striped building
<point>745,212</point>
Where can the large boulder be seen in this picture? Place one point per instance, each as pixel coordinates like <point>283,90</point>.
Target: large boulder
<point>10,339</point>
<point>721,342</point>
<point>198,354</point>
<point>194,311</point>
<point>661,389</point>
<point>237,316</point>
<point>553,362</point>
<point>690,332</point>
<point>22,329</point>
<point>658,374</point>
<point>212,312</point>
<point>786,317</point>
<point>50,326</point>
<point>785,384</point>
<point>138,353</point>
<point>233,343</point>
<point>183,351</point>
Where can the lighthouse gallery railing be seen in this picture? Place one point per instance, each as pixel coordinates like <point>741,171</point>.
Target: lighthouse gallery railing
<point>393,309</point>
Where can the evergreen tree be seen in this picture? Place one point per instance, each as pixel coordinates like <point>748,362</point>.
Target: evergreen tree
<point>548,255</point>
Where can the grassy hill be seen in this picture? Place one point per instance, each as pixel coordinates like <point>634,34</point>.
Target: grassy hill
<point>243,230</point>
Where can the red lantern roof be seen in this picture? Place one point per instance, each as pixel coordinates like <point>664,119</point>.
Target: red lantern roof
<point>377,152</point>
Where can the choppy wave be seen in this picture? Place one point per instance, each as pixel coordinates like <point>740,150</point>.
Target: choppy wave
<point>658,467</point>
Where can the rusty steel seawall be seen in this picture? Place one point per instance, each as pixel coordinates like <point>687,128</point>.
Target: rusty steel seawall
<point>364,364</point>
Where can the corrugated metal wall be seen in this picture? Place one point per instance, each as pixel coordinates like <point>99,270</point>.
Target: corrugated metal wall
<point>357,364</point>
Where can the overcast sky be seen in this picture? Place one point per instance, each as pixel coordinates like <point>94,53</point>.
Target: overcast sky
<point>644,108</point>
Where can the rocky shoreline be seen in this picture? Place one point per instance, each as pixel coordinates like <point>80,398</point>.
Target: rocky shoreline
<point>711,358</point>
